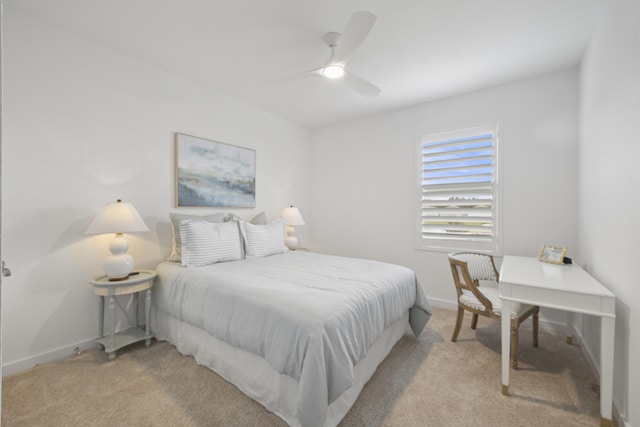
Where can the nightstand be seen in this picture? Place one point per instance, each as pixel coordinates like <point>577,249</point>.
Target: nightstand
<point>107,290</point>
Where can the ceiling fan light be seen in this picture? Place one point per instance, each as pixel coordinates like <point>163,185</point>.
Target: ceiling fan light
<point>333,71</point>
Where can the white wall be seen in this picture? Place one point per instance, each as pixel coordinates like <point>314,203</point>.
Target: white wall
<point>83,126</point>
<point>363,175</point>
<point>609,179</point>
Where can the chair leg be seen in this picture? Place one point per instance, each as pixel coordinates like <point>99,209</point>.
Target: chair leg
<point>514,344</point>
<point>474,321</point>
<point>454,337</point>
<point>535,329</point>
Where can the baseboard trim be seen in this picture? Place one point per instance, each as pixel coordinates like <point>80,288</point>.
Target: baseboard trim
<point>18,366</point>
<point>595,369</point>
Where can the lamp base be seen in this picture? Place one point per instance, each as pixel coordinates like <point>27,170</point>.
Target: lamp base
<point>118,267</point>
<point>119,264</point>
<point>291,240</point>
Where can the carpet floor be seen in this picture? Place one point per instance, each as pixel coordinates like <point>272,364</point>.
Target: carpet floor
<point>428,381</point>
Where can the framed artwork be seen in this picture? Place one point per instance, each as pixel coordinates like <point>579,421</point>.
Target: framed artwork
<point>552,254</point>
<point>213,174</point>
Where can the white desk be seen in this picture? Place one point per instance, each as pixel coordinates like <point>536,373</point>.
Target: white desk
<point>565,287</point>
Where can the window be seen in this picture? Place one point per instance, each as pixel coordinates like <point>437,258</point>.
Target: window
<point>457,191</point>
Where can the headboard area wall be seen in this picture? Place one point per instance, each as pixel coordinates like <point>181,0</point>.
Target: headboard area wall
<point>86,126</point>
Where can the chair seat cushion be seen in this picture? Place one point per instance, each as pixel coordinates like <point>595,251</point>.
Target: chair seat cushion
<point>493,294</point>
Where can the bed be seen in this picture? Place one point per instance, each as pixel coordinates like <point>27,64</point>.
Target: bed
<point>299,332</point>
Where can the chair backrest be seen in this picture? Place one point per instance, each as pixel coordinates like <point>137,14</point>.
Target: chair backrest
<point>468,268</point>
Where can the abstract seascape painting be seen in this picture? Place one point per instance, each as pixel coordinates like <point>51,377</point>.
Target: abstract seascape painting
<point>214,174</point>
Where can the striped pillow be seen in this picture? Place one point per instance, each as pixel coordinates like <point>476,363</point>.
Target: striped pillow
<point>176,246</point>
<point>263,240</point>
<point>206,242</point>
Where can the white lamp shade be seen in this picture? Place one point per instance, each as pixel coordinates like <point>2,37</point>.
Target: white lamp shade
<point>118,217</point>
<point>292,216</point>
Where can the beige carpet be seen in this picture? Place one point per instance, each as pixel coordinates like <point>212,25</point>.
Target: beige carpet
<point>428,381</point>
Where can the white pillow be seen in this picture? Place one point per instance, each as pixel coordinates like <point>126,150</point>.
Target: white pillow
<point>263,240</point>
<point>205,242</point>
<point>176,245</point>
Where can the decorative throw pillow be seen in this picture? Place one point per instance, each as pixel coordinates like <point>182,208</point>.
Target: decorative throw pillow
<point>205,242</point>
<point>263,240</point>
<point>176,245</point>
<point>260,218</point>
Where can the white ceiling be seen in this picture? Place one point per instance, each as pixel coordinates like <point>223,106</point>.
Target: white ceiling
<point>418,50</point>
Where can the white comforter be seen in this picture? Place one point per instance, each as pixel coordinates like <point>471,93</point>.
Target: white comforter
<point>311,316</point>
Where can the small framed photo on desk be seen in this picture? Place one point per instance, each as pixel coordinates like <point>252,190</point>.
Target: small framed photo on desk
<point>552,254</point>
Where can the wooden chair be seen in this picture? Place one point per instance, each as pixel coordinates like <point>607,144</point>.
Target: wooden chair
<point>469,271</point>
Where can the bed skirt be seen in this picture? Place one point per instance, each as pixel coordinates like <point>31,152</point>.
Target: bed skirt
<point>255,377</point>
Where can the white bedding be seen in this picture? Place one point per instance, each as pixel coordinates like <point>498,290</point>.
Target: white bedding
<point>310,316</point>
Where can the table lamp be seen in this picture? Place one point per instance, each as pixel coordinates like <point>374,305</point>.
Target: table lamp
<point>118,218</point>
<point>292,217</point>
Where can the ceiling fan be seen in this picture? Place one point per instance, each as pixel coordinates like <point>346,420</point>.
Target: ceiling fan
<point>343,45</point>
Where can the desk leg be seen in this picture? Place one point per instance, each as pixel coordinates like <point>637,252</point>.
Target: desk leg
<point>569,327</point>
<point>147,308</point>
<point>607,335</point>
<point>506,345</point>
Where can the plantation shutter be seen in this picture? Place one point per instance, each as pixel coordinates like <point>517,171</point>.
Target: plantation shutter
<point>458,191</point>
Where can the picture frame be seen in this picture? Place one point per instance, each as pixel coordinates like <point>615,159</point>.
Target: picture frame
<point>213,174</point>
<point>552,254</point>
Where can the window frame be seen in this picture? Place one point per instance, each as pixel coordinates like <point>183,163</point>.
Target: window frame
<point>494,247</point>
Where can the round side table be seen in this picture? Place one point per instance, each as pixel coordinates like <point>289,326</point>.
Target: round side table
<point>138,281</point>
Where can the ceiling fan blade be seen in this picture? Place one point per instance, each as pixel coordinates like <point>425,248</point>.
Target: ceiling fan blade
<point>361,86</point>
<point>296,76</point>
<point>356,30</point>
